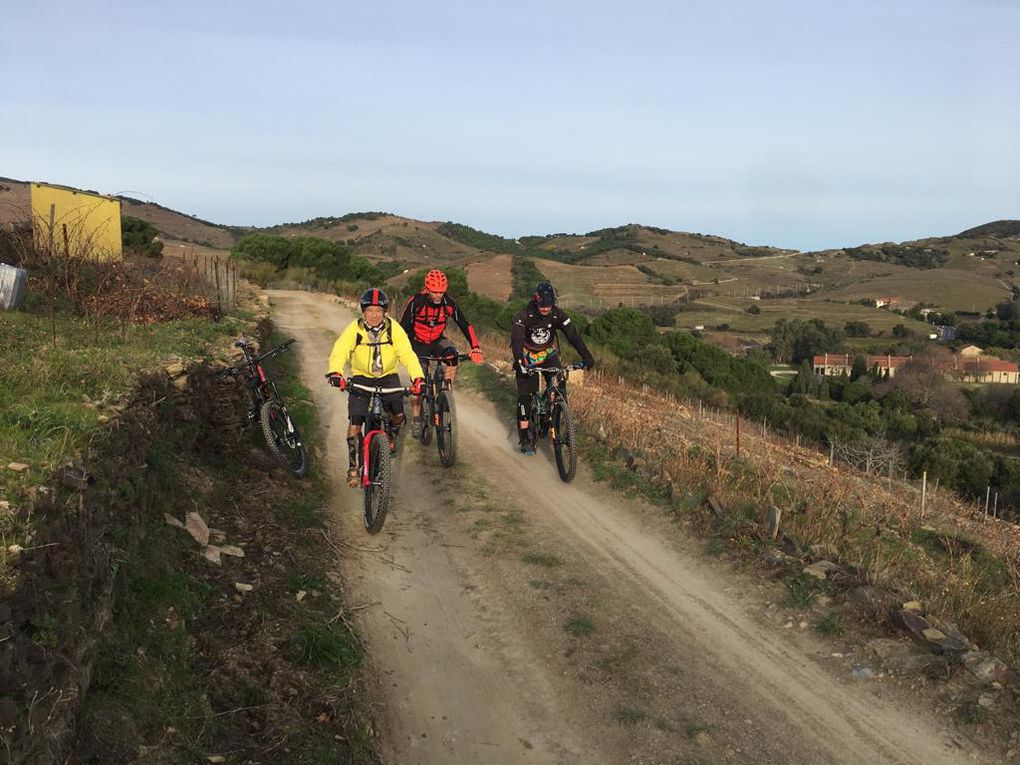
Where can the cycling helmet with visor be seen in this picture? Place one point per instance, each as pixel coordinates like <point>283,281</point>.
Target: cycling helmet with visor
<point>435,281</point>
<point>545,295</point>
<point>374,296</point>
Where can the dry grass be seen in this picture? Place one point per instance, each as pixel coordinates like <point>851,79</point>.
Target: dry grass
<point>948,288</point>
<point>605,285</point>
<point>491,277</point>
<point>964,566</point>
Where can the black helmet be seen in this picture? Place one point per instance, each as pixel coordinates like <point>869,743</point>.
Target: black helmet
<point>374,296</point>
<point>545,295</point>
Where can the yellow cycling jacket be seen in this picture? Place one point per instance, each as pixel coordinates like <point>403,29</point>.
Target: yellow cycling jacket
<point>354,346</point>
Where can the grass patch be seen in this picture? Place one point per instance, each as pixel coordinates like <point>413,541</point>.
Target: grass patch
<point>830,624</point>
<point>971,712</point>
<point>304,511</point>
<point>715,547</point>
<point>546,560</point>
<point>297,581</point>
<point>55,397</point>
<point>629,715</point>
<point>620,477</point>
<point>802,589</point>
<point>326,647</point>
<point>485,380</point>
<point>512,519</point>
<point>580,625</point>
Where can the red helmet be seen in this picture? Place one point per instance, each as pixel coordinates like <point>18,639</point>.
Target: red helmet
<point>435,281</point>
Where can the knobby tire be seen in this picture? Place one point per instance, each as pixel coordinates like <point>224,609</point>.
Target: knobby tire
<point>564,442</point>
<point>446,428</point>
<point>284,443</point>
<point>380,475</point>
<point>427,420</point>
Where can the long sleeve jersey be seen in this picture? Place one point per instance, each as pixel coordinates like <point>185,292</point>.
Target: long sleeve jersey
<point>374,357</point>
<point>425,321</point>
<point>533,337</point>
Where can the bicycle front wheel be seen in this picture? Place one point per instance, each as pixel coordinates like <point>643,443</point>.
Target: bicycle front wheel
<point>377,492</point>
<point>283,437</point>
<point>561,430</point>
<point>446,431</point>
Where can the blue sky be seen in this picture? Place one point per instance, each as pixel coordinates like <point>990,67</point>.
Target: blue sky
<point>798,123</point>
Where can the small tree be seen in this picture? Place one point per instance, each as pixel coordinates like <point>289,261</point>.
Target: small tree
<point>859,369</point>
<point>139,236</point>
<point>857,329</point>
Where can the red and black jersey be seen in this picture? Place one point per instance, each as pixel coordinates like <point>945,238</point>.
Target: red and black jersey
<point>425,321</point>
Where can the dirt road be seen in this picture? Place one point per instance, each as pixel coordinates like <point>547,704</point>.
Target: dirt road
<point>510,618</point>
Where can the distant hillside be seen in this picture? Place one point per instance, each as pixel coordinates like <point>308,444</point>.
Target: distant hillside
<point>181,226</point>
<point>722,283</point>
<point>1004,228</point>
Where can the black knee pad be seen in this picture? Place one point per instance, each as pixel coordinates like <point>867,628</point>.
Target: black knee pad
<point>522,407</point>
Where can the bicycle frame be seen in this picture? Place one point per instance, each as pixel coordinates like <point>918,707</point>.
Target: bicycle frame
<point>265,388</point>
<point>542,401</point>
<point>376,422</point>
<point>437,377</point>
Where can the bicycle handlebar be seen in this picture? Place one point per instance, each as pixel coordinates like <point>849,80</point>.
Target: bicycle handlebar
<point>242,342</point>
<point>377,389</point>
<point>374,388</point>
<point>460,357</point>
<point>551,370</point>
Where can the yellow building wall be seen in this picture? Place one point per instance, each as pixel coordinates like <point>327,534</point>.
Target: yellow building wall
<point>92,222</point>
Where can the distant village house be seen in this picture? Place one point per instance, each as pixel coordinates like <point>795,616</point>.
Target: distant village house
<point>969,366</point>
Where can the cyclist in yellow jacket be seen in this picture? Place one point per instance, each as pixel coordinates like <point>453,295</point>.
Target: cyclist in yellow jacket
<point>373,344</point>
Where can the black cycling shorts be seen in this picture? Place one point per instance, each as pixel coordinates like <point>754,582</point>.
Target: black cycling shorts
<point>357,400</point>
<point>438,347</point>
<point>528,384</point>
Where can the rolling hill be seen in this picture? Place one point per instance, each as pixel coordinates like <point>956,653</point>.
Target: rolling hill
<point>719,281</point>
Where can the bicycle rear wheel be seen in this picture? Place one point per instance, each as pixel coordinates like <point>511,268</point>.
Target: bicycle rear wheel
<point>283,437</point>
<point>561,430</point>
<point>377,493</point>
<point>427,420</point>
<point>446,430</point>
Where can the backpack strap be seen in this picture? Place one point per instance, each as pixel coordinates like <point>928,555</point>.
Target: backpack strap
<point>387,331</point>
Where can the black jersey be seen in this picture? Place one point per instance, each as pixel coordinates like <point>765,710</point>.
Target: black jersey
<point>533,337</point>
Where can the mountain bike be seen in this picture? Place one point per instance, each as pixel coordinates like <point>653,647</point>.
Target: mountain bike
<point>437,409</point>
<point>281,433</point>
<point>376,459</point>
<point>549,415</point>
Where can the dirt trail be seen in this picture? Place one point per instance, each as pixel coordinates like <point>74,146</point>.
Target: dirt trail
<point>473,664</point>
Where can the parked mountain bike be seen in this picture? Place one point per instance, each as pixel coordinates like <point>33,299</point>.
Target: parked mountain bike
<point>281,433</point>
<point>376,460</point>
<point>437,408</point>
<point>549,415</point>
